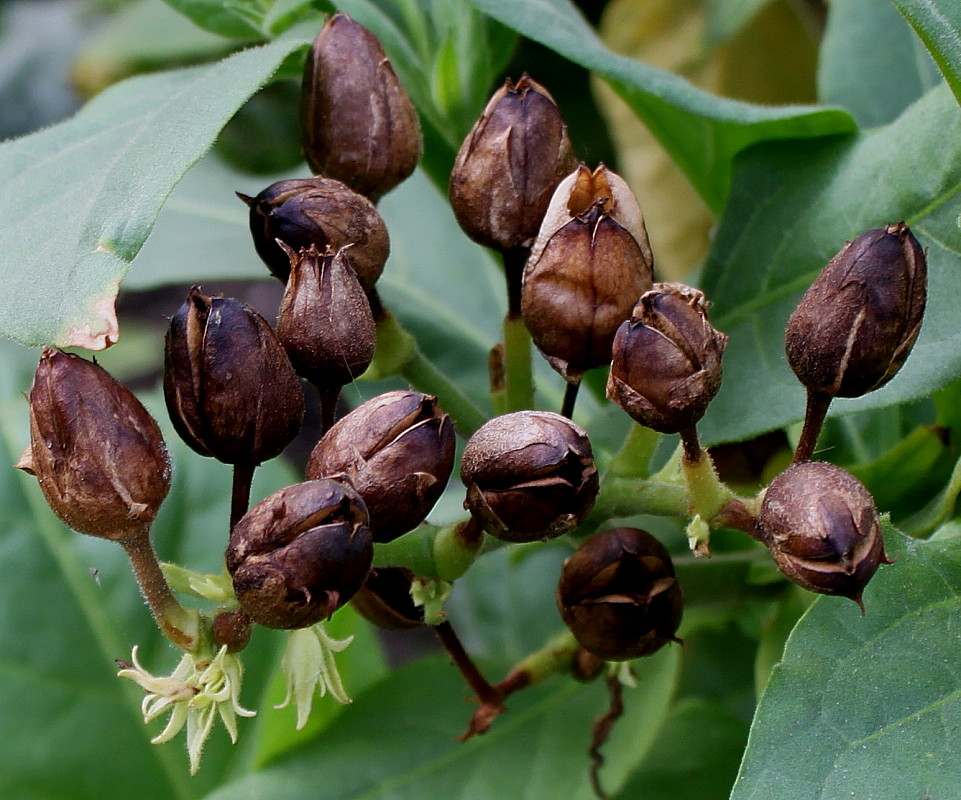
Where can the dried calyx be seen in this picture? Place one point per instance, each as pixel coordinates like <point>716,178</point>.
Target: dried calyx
<point>325,321</point>
<point>822,529</point>
<point>97,454</point>
<point>230,389</point>
<point>358,124</point>
<point>397,450</point>
<point>618,595</point>
<point>320,212</point>
<point>509,166</point>
<point>858,321</point>
<point>300,554</point>
<point>530,475</point>
<point>666,364</point>
<point>589,265</point>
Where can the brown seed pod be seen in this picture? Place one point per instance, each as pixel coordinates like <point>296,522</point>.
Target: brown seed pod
<point>98,455</point>
<point>618,595</point>
<point>398,452</point>
<point>530,475</point>
<point>856,324</point>
<point>358,124</point>
<point>300,554</point>
<point>822,529</point>
<point>230,389</point>
<point>589,265</point>
<point>666,364</point>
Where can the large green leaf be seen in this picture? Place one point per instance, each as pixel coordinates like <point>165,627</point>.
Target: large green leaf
<point>792,207</point>
<point>397,741</point>
<point>938,23</point>
<point>81,197</point>
<point>238,19</point>
<point>868,707</point>
<point>702,132</point>
<point>862,41</point>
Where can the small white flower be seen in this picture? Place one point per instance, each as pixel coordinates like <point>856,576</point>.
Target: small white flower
<point>197,691</point>
<point>309,666</point>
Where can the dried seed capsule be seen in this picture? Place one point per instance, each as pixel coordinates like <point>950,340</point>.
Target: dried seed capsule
<point>398,452</point>
<point>618,595</point>
<point>509,166</point>
<point>666,364</point>
<point>98,455</point>
<point>385,600</point>
<point>589,264</point>
<point>300,554</point>
<point>230,389</point>
<point>529,475</point>
<point>858,321</point>
<point>821,527</point>
<point>320,212</point>
<point>325,322</point>
<point>358,124</point>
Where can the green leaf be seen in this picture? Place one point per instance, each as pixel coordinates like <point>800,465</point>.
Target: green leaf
<point>695,758</point>
<point>397,741</point>
<point>862,41</point>
<point>938,23</point>
<point>81,197</point>
<point>867,706</point>
<point>702,132</point>
<point>235,19</point>
<point>784,222</point>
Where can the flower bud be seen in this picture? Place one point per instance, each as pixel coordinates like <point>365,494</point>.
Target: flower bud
<point>300,554</point>
<point>358,124</point>
<point>821,527</point>
<point>325,322</point>
<point>98,455</point>
<point>398,452</point>
<point>666,364</point>
<point>509,166</point>
<point>385,600</point>
<point>529,475</point>
<point>858,321</point>
<point>320,212</point>
<point>230,389</point>
<point>618,595</point>
<point>589,264</point>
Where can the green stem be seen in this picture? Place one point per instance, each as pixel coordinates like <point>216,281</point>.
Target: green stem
<point>518,371</point>
<point>398,353</point>
<point>180,626</point>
